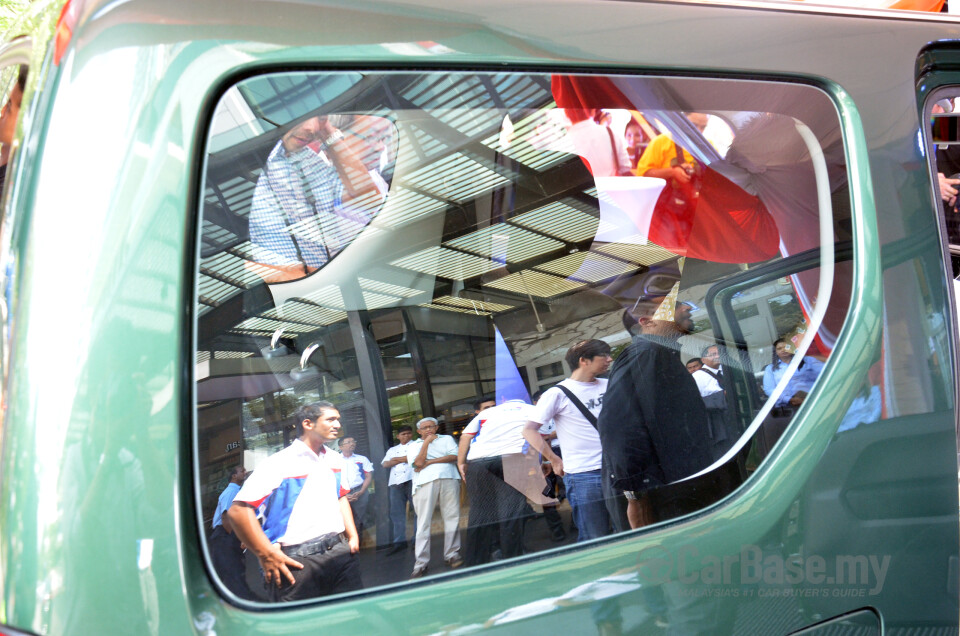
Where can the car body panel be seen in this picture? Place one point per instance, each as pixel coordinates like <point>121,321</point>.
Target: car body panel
<point>98,512</point>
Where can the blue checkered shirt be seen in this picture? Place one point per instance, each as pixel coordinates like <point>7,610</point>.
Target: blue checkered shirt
<point>295,215</point>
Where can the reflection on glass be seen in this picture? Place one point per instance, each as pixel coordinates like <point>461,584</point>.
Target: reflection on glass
<point>798,384</point>
<point>406,263</point>
<point>403,390</point>
<point>319,188</point>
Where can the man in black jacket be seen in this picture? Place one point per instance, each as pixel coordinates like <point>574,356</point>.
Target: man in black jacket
<point>653,427</point>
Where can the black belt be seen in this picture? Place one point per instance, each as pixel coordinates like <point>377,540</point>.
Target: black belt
<point>314,546</point>
<point>219,530</point>
<point>783,411</point>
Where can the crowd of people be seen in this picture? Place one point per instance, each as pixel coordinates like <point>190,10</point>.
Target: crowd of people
<point>605,438</point>
<point>611,438</point>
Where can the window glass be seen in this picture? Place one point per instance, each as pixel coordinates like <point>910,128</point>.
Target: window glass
<point>946,162</point>
<point>432,249</point>
<point>944,143</point>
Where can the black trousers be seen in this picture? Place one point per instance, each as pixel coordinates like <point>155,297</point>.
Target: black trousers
<point>497,512</point>
<point>333,572</point>
<point>228,561</point>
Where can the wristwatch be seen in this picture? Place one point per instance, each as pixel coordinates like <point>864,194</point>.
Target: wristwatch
<point>335,136</point>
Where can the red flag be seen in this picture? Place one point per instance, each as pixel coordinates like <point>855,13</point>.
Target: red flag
<point>723,224</point>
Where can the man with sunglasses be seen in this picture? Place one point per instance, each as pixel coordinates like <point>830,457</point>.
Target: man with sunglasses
<point>574,406</point>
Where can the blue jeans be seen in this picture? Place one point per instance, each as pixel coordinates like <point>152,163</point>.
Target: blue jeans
<point>585,493</point>
<point>399,496</point>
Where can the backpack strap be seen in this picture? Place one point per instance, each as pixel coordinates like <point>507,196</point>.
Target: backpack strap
<point>715,376</point>
<point>577,403</point>
<point>677,149</point>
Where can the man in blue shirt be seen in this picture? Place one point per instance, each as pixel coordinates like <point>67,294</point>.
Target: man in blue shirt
<point>225,549</point>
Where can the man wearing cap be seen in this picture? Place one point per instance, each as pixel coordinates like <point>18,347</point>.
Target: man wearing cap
<point>435,480</point>
<point>653,428</point>
<point>307,545</point>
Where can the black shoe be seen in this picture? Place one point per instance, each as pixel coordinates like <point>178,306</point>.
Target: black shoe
<point>558,537</point>
<point>397,547</point>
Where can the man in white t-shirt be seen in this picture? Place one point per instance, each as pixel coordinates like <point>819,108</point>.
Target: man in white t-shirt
<point>497,509</point>
<point>604,151</point>
<point>435,480</point>
<point>581,463</point>
<point>400,486</point>
<point>357,475</point>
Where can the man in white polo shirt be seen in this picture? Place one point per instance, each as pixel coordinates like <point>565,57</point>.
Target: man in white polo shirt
<point>308,543</point>
<point>435,480</point>
<point>401,487</point>
<point>581,463</point>
<point>497,509</point>
<point>710,383</point>
<point>357,475</point>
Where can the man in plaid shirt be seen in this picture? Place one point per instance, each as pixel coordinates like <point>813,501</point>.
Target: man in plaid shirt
<point>299,217</point>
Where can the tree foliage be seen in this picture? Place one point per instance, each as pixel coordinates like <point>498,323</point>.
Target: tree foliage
<point>10,10</point>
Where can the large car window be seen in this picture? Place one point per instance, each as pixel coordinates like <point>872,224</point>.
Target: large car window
<point>500,312</point>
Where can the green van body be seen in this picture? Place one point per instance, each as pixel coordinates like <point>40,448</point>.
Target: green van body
<point>102,258</point>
